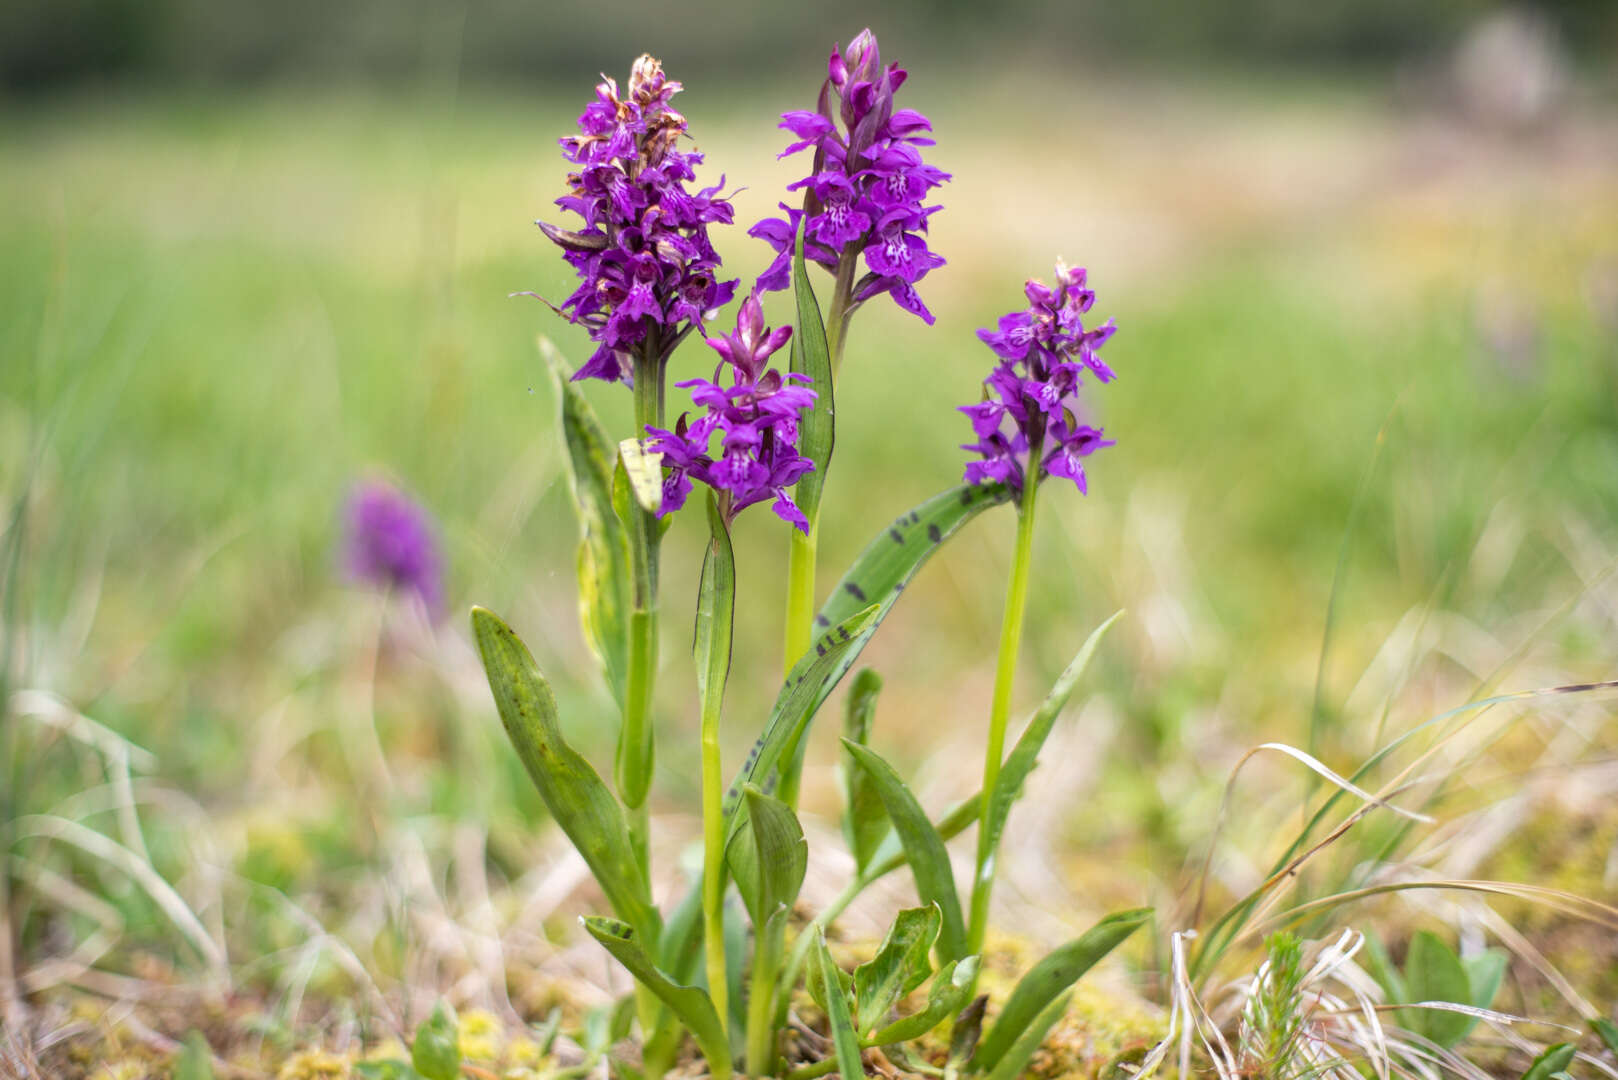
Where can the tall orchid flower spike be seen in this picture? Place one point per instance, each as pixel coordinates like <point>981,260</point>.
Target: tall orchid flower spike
<point>647,272</point>
<point>866,190</point>
<point>756,418</point>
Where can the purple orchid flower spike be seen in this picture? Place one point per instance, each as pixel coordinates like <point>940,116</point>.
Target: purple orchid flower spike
<point>866,190</point>
<point>1030,397</point>
<point>756,418</point>
<point>389,543</point>
<point>647,272</point>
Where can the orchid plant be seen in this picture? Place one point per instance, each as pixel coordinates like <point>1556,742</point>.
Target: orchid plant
<point>759,432</point>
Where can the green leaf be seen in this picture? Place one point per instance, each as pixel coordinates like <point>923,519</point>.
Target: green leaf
<point>924,848</point>
<point>768,857</point>
<point>882,571</point>
<point>603,560</point>
<point>805,688</point>
<point>1555,1059</point>
<point>1031,1039</point>
<point>386,1069</point>
<point>1485,971</point>
<point>843,1036</point>
<point>195,1059</point>
<point>1606,1031</point>
<point>436,1052</point>
<point>694,1007</point>
<point>811,356</point>
<point>716,606</point>
<point>1051,977</point>
<point>865,822</point>
<point>1025,754</point>
<point>948,994</point>
<point>1384,972</point>
<point>573,791</point>
<point>899,966</point>
<point>1434,973</point>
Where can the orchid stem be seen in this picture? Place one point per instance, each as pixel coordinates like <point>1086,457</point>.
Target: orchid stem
<point>803,547</point>
<point>1000,709</point>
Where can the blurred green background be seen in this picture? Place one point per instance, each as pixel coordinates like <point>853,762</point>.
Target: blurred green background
<point>1363,257</point>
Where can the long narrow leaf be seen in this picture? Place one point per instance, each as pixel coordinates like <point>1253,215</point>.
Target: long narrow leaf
<point>1050,978</point>
<point>1029,1040</point>
<point>924,848</point>
<point>1025,754</point>
<point>716,604</point>
<point>865,822</point>
<point>811,356</point>
<point>573,791</point>
<point>844,1038</point>
<point>692,1005</point>
<point>603,560</point>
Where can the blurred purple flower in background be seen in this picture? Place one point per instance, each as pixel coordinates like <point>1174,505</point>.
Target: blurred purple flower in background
<point>868,182</point>
<point>1030,398</point>
<point>647,273</point>
<point>756,418</point>
<point>389,542</point>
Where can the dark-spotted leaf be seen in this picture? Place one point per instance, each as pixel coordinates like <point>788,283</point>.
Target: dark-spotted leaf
<point>692,1005</point>
<point>924,849</point>
<point>811,356</point>
<point>603,559</point>
<point>811,679</point>
<point>436,1050</point>
<point>768,856</point>
<point>899,966</point>
<point>1434,973</point>
<point>844,1038</point>
<point>574,793</point>
<point>968,1029</point>
<point>1050,978</point>
<point>865,822</point>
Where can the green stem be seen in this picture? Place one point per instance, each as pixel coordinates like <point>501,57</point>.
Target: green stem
<point>636,742</point>
<point>715,625</point>
<point>713,853</point>
<point>802,549</point>
<point>761,1026</point>
<point>1000,709</point>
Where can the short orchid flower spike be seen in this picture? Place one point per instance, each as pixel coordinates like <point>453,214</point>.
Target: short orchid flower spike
<point>756,418</point>
<point>1031,396</point>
